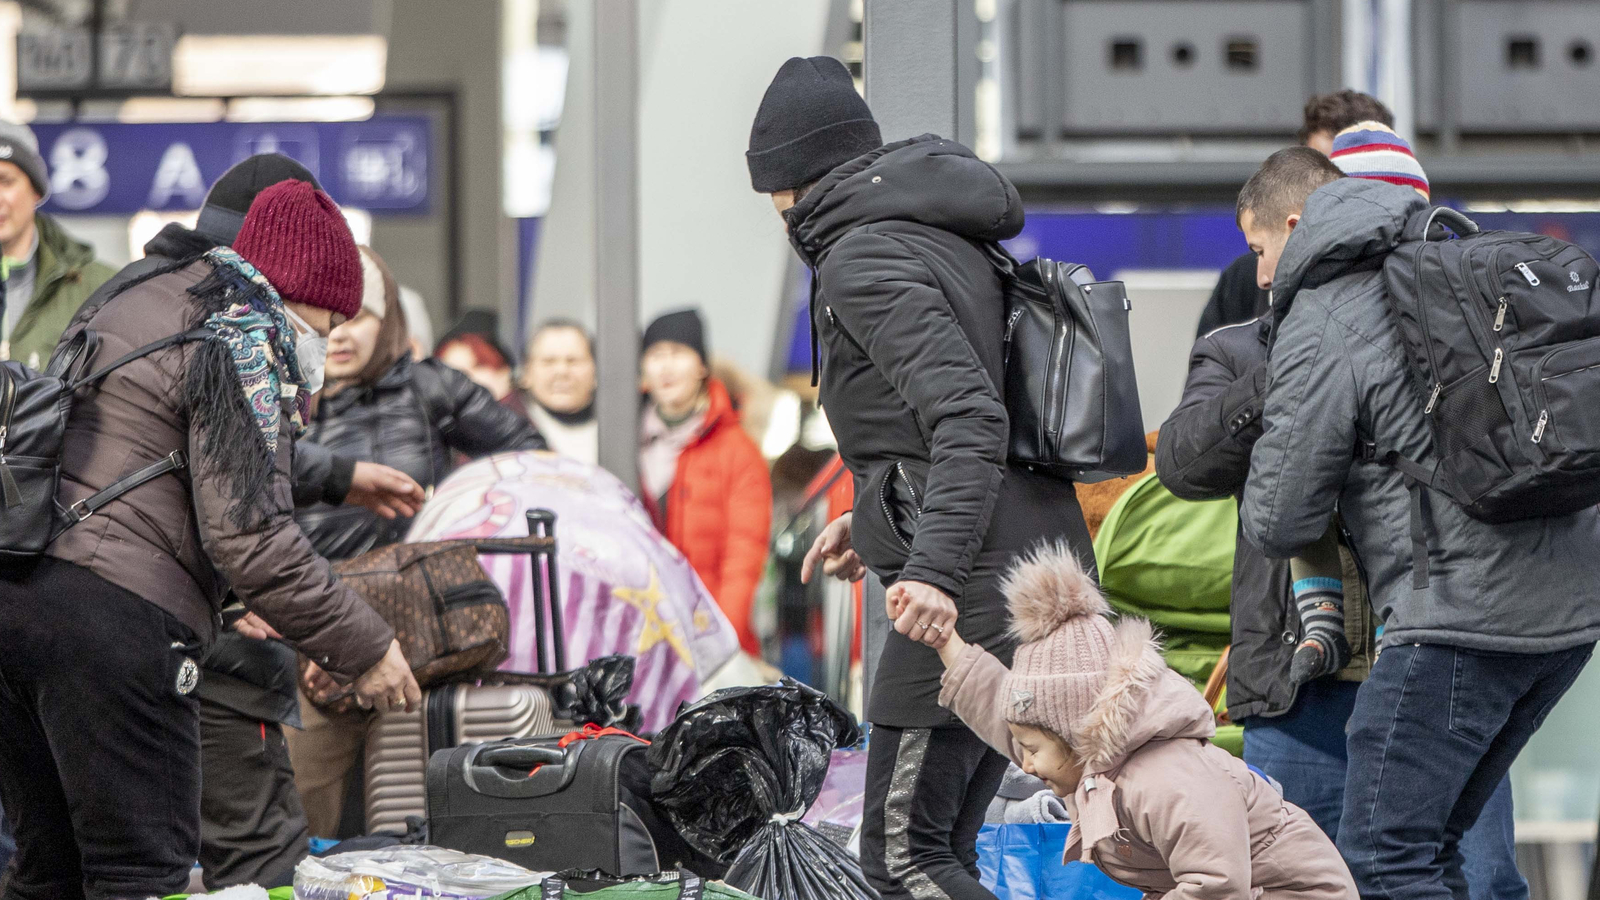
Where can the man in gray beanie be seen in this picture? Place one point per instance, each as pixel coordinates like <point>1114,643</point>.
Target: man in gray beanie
<point>47,272</point>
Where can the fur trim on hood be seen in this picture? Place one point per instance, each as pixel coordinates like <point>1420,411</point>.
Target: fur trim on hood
<point>1136,667</point>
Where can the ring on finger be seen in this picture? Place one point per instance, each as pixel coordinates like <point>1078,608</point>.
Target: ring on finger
<point>922,624</point>
<point>938,628</point>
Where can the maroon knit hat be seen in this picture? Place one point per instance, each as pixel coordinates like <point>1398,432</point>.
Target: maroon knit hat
<point>295,235</point>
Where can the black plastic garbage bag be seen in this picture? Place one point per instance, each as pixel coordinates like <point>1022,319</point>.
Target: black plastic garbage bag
<point>735,772</point>
<point>595,694</point>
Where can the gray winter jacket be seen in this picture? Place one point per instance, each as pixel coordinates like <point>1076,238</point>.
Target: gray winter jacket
<point>1337,374</point>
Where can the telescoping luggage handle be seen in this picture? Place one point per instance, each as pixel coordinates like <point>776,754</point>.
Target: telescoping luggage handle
<point>546,590</point>
<point>690,887</point>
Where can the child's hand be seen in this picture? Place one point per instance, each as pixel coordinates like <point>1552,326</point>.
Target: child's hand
<point>953,647</point>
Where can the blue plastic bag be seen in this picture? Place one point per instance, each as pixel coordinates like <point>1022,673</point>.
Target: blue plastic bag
<point>1023,862</point>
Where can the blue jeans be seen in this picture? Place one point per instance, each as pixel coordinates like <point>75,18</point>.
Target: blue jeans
<point>1304,749</point>
<point>1434,732</point>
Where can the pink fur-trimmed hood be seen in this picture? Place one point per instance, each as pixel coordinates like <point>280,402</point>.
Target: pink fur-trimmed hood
<point>1143,700</point>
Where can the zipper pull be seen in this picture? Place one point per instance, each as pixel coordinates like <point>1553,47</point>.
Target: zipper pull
<point>1494,371</point>
<point>1500,316</point>
<point>1433,398</point>
<point>1538,428</point>
<point>831,319</point>
<point>1528,274</point>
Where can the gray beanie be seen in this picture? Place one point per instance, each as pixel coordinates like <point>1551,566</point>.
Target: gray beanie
<point>18,145</point>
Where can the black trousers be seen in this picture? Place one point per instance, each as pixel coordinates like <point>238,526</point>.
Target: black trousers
<point>927,791</point>
<point>252,827</point>
<point>99,740</point>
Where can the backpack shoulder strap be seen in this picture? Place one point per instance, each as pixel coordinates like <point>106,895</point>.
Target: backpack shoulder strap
<point>1419,479</point>
<point>193,334</point>
<point>88,506</point>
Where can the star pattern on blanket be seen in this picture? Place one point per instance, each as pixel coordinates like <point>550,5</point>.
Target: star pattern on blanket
<point>647,601</point>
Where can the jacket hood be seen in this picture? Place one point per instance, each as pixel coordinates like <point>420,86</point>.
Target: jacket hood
<point>1142,701</point>
<point>176,242</point>
<point>929,180</point>
<point>1348,225</point>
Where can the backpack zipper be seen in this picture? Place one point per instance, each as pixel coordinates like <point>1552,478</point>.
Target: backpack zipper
<point>1422,322</point>
<point>1528,273</point>
<point>1494,370</point>
<point>1538,428</point>
<point>1500,315</point>
<point>1433,399</point>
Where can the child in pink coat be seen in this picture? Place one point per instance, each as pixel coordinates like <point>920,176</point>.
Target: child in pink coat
<point>1092,709</point>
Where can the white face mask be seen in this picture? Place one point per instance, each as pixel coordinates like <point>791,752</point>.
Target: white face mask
<point>311,349</point>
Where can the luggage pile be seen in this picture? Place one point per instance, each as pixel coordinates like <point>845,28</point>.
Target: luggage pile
<point>599,811</point>
<point>520,784</point>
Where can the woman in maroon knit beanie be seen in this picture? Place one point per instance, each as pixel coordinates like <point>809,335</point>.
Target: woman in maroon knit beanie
<point>100,640</point>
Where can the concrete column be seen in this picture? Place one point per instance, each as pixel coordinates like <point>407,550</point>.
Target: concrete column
<point>921,73</point>
<point>920,77</point>
<point>616,232</point>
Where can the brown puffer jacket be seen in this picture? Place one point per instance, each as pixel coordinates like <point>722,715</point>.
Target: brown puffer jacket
<point>172,541</point>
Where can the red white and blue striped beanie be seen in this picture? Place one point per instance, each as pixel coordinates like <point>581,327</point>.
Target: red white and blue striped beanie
<point>1372,150</point>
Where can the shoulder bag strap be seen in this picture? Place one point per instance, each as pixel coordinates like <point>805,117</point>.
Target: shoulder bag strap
<point>194,334</point>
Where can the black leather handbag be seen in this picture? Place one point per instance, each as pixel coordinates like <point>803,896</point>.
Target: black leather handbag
<point>1070,388</point>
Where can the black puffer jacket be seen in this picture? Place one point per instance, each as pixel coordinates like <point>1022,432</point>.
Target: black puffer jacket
<point>908,312</point>
<point>411,419</point>
<point>1203,453</point>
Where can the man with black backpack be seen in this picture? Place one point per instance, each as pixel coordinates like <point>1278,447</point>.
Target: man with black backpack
<point>1488,618</point>
<point>908,314</point>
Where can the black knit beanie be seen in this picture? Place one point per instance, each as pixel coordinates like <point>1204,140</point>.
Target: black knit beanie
<point>230,198</point>
<point>810,121</point>
<point>681,326</point>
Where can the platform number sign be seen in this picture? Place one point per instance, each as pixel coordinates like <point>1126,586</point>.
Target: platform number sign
<point>132,57</point>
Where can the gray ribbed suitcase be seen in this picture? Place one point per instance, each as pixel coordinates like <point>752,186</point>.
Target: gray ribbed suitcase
<point>399,743</point>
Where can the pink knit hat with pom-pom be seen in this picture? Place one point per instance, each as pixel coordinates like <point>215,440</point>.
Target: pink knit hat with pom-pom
<point>1059,615</point>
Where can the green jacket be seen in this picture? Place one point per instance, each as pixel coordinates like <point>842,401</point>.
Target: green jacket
<point>68,273</point>
<point>1171,561</point>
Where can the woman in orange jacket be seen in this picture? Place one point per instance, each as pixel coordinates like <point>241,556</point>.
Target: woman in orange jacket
<point>702,478</point>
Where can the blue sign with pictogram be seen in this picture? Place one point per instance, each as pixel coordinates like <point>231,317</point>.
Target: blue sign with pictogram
<point>381,164</point>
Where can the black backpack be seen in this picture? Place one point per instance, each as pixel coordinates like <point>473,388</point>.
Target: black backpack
<point>1070,389</point>
<point>33,420</point>
<point>1503,330</point>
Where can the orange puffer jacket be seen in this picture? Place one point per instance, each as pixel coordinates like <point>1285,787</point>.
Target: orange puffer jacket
<point>719,511</point>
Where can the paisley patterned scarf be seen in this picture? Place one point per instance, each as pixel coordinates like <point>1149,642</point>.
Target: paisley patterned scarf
<point>262,343</point>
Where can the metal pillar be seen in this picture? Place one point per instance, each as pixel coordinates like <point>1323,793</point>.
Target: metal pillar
<point>616,144</point>
<point>921,72</point>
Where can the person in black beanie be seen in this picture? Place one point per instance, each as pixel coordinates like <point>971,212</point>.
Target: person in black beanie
<point>906,323</point>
